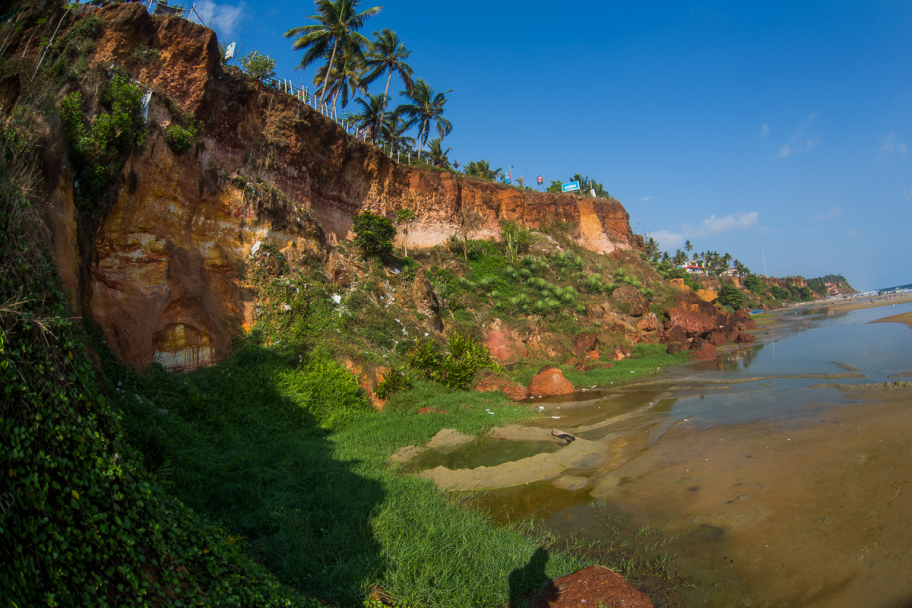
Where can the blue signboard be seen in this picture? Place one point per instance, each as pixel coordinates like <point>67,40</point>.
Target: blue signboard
<point>570,187</point>
<point>506,180</point>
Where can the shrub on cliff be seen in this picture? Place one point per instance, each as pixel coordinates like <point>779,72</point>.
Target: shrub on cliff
<point>98,149</point>
<point>180,139</point>
<point>374,234</point>
<point>455,368</point>
<point>258,66</point>
<point>731,296</point>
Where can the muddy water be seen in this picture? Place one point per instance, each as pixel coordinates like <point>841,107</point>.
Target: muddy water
<point>781,494</point>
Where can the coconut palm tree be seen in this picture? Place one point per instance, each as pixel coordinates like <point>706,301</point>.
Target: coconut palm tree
<point>394,136</point>
<point>371,115</point>
<point>345,77</point>
<point>437,156</point>
<point>389,55</point>
<point>482,169</point>
<point>688,247</point>
<point>338,23</point>
<point>426,106</point>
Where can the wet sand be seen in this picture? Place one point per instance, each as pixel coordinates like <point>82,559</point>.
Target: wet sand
<point>905,317</point>
<point>810,512</point>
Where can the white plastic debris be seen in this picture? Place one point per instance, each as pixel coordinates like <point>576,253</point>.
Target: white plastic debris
<point>541,407</point>
<point>256,247</point>
<point>337,299</point>
<point>556,417</point>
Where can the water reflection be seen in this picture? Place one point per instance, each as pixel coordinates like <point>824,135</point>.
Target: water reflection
<point>733,361</point>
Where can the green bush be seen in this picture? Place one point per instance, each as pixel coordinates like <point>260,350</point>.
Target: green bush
<point>455,368</point>
<point>258,66</point>
<point>144,55</point>
<point>374,234</point>
<point>180,139</point>
<point>729,295</point>
<point>99,150</point>
<point>395,381</point>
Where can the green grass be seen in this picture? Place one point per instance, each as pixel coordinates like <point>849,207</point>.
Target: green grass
<point>321,508</point>
<point>648,360</point>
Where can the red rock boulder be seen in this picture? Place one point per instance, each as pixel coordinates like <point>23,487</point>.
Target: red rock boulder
<point>585,342</point>
<point>550,382</point>
<point>648,323</point>
<point>716,338</point>
<point>515,392</point>
<point>595,586</point>
<point>693,323</point>
<point>630,301</point>
<point>741,321</point>
<point>675,333</point>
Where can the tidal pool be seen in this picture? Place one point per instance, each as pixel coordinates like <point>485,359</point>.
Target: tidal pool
<point>780,489</point>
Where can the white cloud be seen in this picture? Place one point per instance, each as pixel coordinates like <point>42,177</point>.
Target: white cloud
<point>715,225</point>
<point>225,17</point>
<point>800,141</point>
<point>831,213</point>
<point>646,199</point>
<point>890,146</point>
<point>764,130</point>
<point>712,225</point>
<point>852,232</point>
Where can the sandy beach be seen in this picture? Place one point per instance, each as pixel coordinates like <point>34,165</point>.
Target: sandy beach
<point>869,302</point>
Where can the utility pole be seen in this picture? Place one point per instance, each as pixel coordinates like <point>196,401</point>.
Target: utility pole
<point>511,174</point>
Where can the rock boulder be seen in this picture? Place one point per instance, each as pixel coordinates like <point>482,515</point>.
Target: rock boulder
<point>693,323</point>
<point>550,382</point>
<point>593,586</point>
<point>630,300</point>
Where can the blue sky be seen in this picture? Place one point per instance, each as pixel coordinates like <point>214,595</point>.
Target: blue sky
<point>777,125</point>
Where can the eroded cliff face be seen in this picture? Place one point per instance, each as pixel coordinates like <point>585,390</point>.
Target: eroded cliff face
<point>163,281</point>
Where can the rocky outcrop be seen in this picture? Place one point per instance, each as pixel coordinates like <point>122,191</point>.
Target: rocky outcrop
<point>695,324</point>
<point>550,382</point>
<point>160,277</point>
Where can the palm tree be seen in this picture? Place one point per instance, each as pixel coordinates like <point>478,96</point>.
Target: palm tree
<point>389,56</point>
<point>346,76</point>
<point>437,156</point>
<point>394,136</point>
<point>688,247</point>
<point>482,169</point>
<point>427,106</point>
<point>338,22</point>
<point>371,115</point>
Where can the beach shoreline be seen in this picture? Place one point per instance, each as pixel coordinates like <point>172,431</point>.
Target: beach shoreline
<point>859,303</point>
